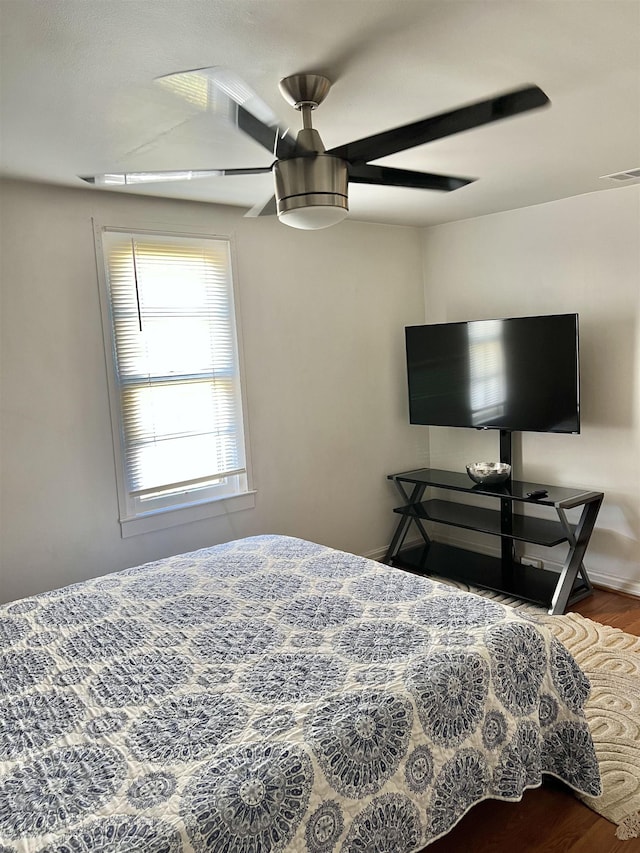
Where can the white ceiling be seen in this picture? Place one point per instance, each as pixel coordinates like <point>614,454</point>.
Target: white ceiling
<point>77,95</point>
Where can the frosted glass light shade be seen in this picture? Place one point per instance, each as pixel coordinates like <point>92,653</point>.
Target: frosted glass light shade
<point>313,217</point>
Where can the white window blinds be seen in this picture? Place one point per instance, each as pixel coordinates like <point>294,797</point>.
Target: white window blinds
<point>176,361</point>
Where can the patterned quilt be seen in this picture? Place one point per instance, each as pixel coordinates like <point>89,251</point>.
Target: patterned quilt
<point>268,695</point>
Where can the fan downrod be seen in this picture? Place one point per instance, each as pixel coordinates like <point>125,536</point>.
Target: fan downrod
<point>305,90</point>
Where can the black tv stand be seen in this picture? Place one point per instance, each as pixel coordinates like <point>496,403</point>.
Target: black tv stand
<point>551,589</point>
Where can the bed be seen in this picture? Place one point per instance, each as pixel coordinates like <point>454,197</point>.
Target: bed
<point>272,695</point>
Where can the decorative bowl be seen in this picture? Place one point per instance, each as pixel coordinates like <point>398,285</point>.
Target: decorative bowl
<point>488,473</point>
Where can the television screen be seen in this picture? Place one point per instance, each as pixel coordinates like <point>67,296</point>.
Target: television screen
<point>518,374</point>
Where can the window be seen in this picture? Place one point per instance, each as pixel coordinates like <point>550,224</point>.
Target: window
<point>172,353</point>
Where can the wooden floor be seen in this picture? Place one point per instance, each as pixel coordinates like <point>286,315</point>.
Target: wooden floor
<point>549,819</point>
<point>610,608</point>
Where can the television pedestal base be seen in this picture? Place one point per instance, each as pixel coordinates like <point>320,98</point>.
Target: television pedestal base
<point>553,590</point>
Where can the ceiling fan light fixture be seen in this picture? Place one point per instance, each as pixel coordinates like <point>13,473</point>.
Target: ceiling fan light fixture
<point>311,191</point>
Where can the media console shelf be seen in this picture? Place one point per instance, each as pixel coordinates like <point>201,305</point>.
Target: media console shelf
<point>554,590</point>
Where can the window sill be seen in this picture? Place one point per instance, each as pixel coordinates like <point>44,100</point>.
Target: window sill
<point>171,517</point>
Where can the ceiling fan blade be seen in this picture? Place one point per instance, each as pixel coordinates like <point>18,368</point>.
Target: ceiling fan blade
<point>218,90</point>
<point>122,178</point>
<point>275,139</point>
<point>439,126</point>
<point>268,208</point>
<point>364,173</point>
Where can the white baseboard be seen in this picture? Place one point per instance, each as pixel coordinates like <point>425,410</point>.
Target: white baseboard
<point>376,555</point>
<point>598,578</point>
<point>615,584</point>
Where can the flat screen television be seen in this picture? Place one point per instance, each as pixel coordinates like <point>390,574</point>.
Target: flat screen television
<point>517,374</point>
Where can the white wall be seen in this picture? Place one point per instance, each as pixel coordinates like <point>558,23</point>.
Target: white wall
<point>322,316</point>
<point>579,254</point>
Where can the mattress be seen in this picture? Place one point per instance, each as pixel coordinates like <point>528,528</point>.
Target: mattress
<point>272,695</point>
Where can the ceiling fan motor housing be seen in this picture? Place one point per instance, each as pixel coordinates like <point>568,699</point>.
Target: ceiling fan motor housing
<point>311,181</point>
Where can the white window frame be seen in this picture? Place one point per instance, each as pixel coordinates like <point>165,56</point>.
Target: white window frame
<point>137,514</point>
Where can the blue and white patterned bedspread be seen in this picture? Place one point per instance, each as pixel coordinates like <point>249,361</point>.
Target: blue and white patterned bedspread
<point>273,695</point>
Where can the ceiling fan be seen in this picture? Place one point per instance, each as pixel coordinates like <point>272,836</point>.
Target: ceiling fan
<point>311,183</point>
